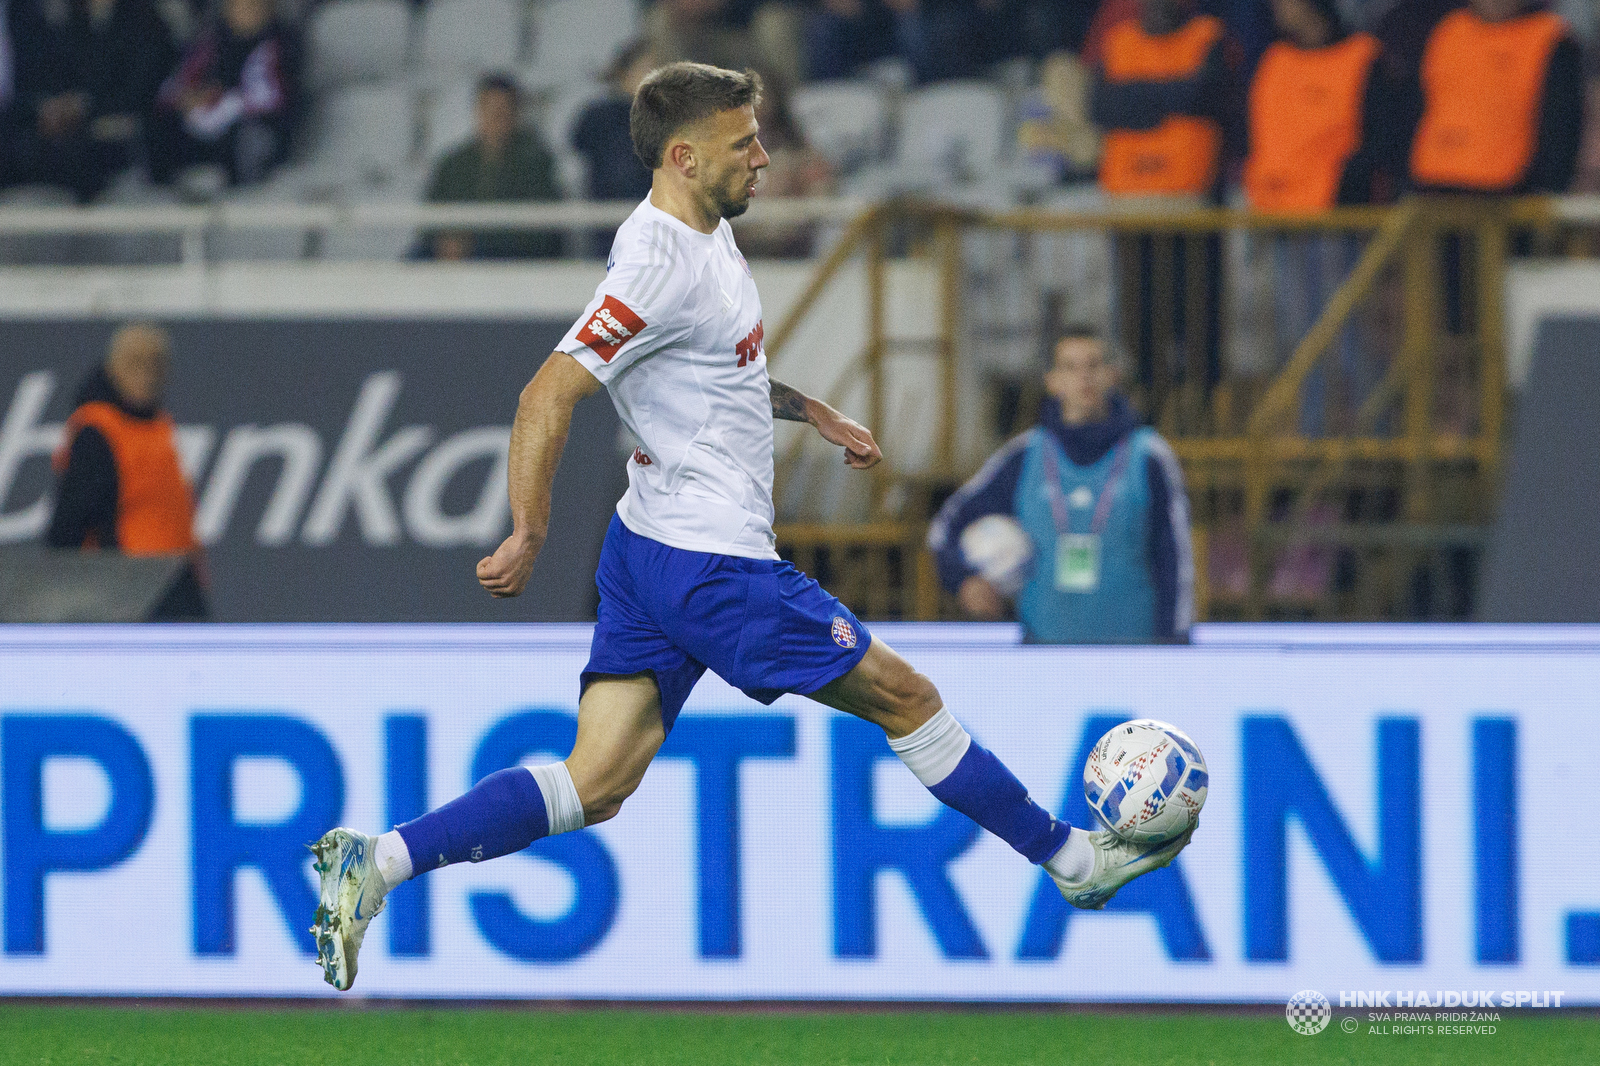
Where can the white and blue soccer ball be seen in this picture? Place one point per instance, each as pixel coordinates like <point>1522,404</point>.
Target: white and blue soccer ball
<point>1000,550</point>
<point>1146,781</point>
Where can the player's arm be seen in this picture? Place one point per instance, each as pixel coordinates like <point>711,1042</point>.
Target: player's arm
<point>538,435</point>
<point>792,405</point>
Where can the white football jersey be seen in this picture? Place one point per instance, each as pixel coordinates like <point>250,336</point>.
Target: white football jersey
<point>674,334</point>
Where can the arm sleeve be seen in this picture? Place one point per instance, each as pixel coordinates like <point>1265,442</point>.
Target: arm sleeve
<point>86,495</point>
<point>992,490</point>
<point>1171,558</point>
<point>640,308</point>
<point>1555,162</point>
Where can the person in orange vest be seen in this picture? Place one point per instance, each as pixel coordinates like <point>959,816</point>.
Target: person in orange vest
<point>1502,102</point>
<point>1320,115</point>
<point>1164,99</point>
<point>1162,96</point>
<point>1323,131</point>
<point>119,482</point>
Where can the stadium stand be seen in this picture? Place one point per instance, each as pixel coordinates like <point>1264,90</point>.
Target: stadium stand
<point>574,40</point>
<point>358,41</point>
<point>469,37</point>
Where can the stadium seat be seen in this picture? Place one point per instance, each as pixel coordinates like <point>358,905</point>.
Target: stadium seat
<point>363,136</point>
<point>469,37</point>
<point>358,40</point>
<point>961,128</point>
<point>845,121</point>
<point>575,40</point>
<point>447,119</point>
<point>561,113</point>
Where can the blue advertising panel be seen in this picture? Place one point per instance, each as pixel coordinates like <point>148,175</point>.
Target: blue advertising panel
<point>1384,817</point>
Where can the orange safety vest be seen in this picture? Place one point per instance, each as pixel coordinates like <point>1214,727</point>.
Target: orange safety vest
<point>1183,153</point>
<point>1305,122</point>
<point>1483,85</point>
<point>155,508</point>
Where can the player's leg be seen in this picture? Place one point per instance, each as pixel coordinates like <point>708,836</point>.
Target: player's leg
<point>1088,866</point>
<point>619,732</point>
<point>885,690</point>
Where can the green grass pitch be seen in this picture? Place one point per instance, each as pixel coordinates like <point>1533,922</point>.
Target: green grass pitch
<point>78,1035</point>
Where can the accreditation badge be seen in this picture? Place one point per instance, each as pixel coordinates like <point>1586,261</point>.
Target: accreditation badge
<point>1077,562</point>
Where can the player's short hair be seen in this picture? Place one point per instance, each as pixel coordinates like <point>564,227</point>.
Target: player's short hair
<point>681,94</point>
<point>1112,352</point>
<point>499,82</point>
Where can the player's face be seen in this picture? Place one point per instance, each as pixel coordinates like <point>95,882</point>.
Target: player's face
<point>733,159</point>
<point>1081,379</point>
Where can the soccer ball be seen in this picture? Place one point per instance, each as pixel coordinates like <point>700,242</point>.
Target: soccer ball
<point>1146,781</point>
<point>998,548</point>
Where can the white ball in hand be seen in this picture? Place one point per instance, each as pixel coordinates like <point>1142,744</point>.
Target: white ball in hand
<point>999,549</point>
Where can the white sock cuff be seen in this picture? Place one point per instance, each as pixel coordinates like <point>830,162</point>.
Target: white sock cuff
<point>562,807</point>
<point>393,858</point>
<point>933,748</point>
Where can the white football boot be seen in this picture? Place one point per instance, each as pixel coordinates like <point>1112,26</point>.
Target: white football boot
<point>352,892</point>
<point>1116,862</point>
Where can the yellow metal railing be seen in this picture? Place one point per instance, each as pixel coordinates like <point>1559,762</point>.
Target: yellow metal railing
<point>1259,486</point>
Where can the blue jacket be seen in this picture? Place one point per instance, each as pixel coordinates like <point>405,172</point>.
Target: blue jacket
<point>1168,561</point>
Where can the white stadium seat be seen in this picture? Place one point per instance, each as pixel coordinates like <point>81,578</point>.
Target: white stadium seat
<point>561,114</point>
<point>575,40</point>
<point>447,119</point>
<point>358,40</point>
<point>470,36</point>
<point>959,125</point>
<point>845,121</point>
<point>363,135</point>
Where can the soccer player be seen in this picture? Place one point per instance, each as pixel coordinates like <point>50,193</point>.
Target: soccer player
<point>689,577</point>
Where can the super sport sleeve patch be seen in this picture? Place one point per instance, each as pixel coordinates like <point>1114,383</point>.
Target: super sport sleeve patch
<point>612,325</point>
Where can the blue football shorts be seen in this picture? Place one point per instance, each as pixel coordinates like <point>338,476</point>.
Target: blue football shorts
<point>762,625</point>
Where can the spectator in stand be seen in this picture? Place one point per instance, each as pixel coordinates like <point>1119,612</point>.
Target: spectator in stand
<point>727,33</point>
<point>601,136</point>
<point>938,39</point>
<point>234,100</point>
<point>1502,102</point>
<point>1403,29</point>
<point>1055,131</point>
<point>1164,99</point>
<point>1323,131</point>
<point>842,36</point>
<point>85,78</point>
<point>504,161</point>
<point>601,133</point>
<point>119,483</point>
<point>1102,499</point>
<point>1321,126</point>
<point>1502,113</point>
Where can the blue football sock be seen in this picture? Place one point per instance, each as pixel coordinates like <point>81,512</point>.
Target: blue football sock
<point>503,813</point>
<point>968,777</point>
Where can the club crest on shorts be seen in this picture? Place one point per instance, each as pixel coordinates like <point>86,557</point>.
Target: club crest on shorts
<point>844,634</point>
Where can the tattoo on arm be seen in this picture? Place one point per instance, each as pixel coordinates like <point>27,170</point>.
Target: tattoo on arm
<point>788,403</point>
